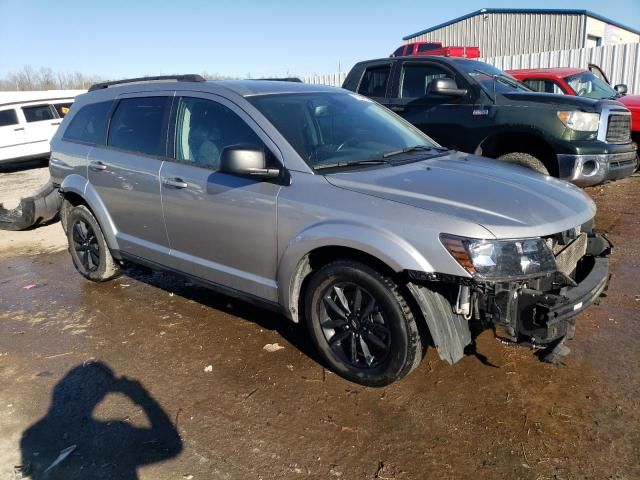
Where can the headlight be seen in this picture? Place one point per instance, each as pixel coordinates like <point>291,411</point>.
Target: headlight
<point>501,259</point>
<point>580,121</point>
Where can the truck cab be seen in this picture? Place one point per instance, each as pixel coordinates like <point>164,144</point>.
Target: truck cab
<point>473,107</point>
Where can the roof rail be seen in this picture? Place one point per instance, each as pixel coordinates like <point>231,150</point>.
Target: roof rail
<point>177,78</point>
<point>282,79</point>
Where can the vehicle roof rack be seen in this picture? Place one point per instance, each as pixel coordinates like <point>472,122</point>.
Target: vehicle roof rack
<point>282,79</point>
<point>177,78</point>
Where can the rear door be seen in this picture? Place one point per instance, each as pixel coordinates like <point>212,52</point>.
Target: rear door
<point>375,82</point>
<point>221,227</point>
<point>12,136</point>
<point>125,173</point>
<point>443,118</point>
<point>41,123</point>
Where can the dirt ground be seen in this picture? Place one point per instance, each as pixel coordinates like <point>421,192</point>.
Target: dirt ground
<point>151,377</point>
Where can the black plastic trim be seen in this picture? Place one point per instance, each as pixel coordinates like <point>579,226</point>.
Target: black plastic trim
<point>178,78</point>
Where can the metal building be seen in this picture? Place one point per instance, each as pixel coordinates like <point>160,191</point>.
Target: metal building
<point>507,31</point>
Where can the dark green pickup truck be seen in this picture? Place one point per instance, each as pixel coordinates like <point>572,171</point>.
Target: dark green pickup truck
<point>473,107</point>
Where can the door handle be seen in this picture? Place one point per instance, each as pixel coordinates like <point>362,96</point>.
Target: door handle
<point>18,129</point>
<point>97,166</point>
<point>397,108</point>
<point>174,182</point>
<point>56,123</point>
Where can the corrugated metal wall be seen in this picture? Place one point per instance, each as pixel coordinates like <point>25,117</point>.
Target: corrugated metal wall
<point>621,63</point>
<point>511,33</point>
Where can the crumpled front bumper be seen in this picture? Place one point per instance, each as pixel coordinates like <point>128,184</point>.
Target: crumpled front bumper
<point>542,317</point>
<point>587,170</point>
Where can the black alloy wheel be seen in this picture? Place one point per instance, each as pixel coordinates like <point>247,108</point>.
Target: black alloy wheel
<point>86,245</point>
<point>354,326</point>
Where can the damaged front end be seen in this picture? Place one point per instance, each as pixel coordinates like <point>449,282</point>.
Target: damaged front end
<point>536,309</point>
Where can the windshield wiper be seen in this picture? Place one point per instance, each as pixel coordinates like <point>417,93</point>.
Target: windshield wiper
<point>374,161</point>
<point>415,148</point>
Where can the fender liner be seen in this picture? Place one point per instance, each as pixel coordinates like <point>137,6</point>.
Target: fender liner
<point>450,334</point>
<point>42,206</point>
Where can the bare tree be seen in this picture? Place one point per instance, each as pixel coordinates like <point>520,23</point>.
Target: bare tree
<point>46,79</point>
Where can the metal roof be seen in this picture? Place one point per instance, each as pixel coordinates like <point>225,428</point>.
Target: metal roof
<point>548,11</point>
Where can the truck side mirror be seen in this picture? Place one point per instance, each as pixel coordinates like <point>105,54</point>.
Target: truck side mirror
<point>621,88</point>
<point>246,161</point>
<point>446,87</point>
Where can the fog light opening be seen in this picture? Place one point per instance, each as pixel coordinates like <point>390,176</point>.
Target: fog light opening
<point>590,167</point>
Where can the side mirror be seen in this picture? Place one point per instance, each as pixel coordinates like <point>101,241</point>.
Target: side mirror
<point>621,88</point>
<point>246,160</point>
<point>446,87</point>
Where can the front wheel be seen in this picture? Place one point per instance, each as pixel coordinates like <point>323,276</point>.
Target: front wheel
<point>361,324</point>
<point>87,246</point>
<point>525,160</point>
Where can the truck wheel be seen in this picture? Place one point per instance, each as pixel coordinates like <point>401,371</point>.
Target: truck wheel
<point>361,324</point>
<point>87,246</point>
<point>525,160</point>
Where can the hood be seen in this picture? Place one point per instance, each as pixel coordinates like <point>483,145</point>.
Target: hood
<point>632,102</point>
<point>509,201</point>
<point>557,101</point>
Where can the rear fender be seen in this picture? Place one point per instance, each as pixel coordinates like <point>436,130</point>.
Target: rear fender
<point>80,186</point>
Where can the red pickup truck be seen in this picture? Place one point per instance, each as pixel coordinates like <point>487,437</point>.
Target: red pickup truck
<point>591,83</point>
<point>435,48</point>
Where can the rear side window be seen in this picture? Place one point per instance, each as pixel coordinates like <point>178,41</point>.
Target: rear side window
<point>425,47</point>
<point>8,117</point>
<point>137,125</point>
<point>38,113</point>
<point>89,125</point>
<point>374,81</point>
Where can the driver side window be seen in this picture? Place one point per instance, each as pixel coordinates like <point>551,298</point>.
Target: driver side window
<point>204,128</point>
<point>417,78</point>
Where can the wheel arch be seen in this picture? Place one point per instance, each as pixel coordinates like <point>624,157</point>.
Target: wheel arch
<point>520,141</point>
<point>321,244</point>
<point>77,190</point>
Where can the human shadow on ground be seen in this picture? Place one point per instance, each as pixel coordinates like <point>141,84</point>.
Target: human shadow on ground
<point>96,449</point>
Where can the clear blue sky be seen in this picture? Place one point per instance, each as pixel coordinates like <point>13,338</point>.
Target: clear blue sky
<point>116,38</point>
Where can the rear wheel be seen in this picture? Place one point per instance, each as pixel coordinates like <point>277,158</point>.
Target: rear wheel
<point>87,246</point>
<point>361,324</point>
<point>525,160</point>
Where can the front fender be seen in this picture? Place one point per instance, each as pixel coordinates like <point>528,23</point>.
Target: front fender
<point>391,249</point>
<point>80,186</point>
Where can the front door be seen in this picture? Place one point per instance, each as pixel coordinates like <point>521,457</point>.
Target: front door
<point>125,173</point>
<point>221,227</point>
<point>443,118</point>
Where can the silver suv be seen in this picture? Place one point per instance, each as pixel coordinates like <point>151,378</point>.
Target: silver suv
<point>329,208</point>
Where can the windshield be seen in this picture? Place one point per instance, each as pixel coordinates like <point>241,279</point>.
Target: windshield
<point>484,74</point>
<point>328,129</point>
<point>586,84</point>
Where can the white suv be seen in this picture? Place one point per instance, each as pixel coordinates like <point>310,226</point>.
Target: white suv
<point>28,120</point>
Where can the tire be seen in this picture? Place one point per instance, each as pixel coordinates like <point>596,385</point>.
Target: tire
<point>373,345</point>
<point>525,160</point>
<point>87,246</point>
